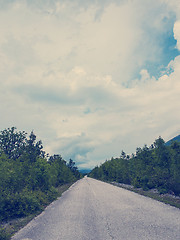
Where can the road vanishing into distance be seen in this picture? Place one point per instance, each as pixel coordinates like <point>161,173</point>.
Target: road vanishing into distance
<point>93,210</point>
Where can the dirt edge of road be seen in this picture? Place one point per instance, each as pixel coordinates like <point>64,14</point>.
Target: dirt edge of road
<point>153,193</point>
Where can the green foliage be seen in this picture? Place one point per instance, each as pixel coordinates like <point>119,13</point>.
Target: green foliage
<point>33,148</point>
<point>155,167</point>
<point>4,235</point>
<point>18,204</point>
<point>12,143</point>
<point>28,179</point>
<point>73,168</point>
<point>60,172</point>
<point>113,170</point>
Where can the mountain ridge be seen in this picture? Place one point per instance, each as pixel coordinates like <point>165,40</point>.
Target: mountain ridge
<point>177,138</point>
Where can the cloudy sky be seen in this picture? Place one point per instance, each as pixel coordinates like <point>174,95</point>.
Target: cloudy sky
<point>91,78</point>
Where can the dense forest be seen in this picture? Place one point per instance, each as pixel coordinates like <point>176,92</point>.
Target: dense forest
<point>28,176</point>
<point>157,166</point>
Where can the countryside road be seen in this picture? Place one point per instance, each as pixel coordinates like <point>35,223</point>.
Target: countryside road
<point>93,210</point>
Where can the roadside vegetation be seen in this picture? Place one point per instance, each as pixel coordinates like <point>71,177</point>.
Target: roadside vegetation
<point>155,167</point>
<point>30,179</point>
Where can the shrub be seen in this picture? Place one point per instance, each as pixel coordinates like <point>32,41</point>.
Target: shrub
<point>19,205</point>
<point>4,235</point>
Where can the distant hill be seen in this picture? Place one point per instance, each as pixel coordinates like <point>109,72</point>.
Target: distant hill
<point>177,138</point>
<point>85,171</point>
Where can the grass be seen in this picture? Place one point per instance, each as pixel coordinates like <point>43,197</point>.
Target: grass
<point>165,198</point>
<point>63,188</point>
<point>9,228</point>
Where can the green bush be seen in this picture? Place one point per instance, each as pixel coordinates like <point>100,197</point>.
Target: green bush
<point>28,179</point>
<point>4,235</point>
<point>19,205</point>
<point>52,194</point>
<point>24,203</point>
<point>155,167</point>
<point>162,190</point>
<point>45,198</point>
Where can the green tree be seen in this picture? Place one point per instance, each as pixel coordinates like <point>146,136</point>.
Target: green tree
<point>73,168</point>
<point>12,142</point>
<point>33,148</point>
<point>175,167</point>
<point>27,178</point>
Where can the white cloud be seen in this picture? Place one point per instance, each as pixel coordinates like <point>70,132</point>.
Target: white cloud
<point>177,33</point>
<point>64,72</point>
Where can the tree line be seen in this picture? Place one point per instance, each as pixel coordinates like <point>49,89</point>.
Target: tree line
<point>28,176</point>
<point>157,166</point>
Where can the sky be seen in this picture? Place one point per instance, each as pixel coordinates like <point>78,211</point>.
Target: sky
<point>90,78</point>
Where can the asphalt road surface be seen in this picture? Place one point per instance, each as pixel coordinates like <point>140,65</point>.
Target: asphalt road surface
<point>93,210</point>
